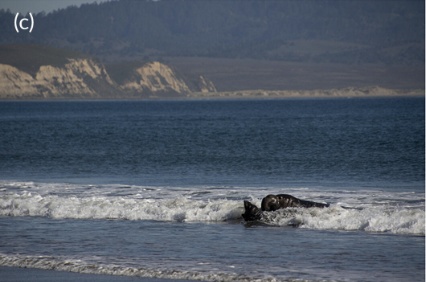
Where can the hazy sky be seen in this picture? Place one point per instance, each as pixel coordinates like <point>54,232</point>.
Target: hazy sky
<point>36,6</point>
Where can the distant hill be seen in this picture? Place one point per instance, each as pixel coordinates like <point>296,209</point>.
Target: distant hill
<point>39,72</point>
<point>390,32</point>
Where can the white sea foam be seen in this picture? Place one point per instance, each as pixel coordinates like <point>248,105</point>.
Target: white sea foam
<point>88,267</point>
<point>396,220</point>
<point>362,210</point>
<point>179,209</point>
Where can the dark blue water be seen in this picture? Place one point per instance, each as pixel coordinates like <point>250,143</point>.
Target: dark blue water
<point>320,142</point>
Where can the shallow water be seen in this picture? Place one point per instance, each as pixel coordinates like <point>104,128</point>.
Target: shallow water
<point>219,251</point>
<point>156,189</point>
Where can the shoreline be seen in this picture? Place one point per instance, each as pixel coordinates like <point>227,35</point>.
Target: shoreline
<point>261,94</point>
<point>23,274</point>
<point>348,92</point>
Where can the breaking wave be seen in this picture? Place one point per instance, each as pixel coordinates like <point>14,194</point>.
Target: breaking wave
<point>179,209</point>
<point>395,220</point>
<point>370,211</point>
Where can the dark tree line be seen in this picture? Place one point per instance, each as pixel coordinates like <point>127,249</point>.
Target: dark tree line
<point>386,31</point>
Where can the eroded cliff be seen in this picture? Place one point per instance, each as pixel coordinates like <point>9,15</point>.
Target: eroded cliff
<point>77,78</point>
<point>155,77</point>
<point>85,78</point>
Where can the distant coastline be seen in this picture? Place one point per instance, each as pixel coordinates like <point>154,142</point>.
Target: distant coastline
<point>348,92</point>
<point>29,72</point>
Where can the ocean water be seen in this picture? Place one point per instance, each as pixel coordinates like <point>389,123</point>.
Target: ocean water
<point>156,188</point>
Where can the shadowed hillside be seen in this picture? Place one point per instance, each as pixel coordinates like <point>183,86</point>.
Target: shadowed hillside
<point>313,31</point>
<point>30,58</point>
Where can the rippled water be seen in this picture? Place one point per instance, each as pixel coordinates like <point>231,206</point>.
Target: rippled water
<point>156,188</point>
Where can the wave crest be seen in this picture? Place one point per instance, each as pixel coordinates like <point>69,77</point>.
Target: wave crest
<point>370,211</point>
<point>180,209</point>
<point>379,219</point>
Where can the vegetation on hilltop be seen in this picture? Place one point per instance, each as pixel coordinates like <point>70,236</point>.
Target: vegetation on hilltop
<point>326,31</point>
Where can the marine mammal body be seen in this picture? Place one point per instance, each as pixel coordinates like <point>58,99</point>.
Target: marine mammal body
<point>276,202</point>
<point>282,201</point>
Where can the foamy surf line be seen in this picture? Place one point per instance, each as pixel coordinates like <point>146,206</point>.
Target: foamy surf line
<point>370,211</point>
<point>86,267</point>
